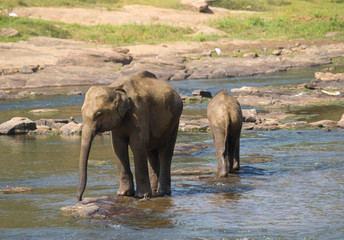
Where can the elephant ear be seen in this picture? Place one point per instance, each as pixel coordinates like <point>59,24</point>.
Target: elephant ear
<point>122,102</point>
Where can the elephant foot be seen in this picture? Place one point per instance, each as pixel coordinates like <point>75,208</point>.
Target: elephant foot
<point>236,167</point>
<point>164,191</point>
<point>128,192</point>
<point>223,174</point>
<point>143,195</point>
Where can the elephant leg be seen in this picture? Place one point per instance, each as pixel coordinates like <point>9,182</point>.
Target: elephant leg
<point>154,170</point>
<point>231,152</point>
<point>143,188</point>
<point>120,148</point>
<point>165,160</point>
<point>220,142</point>
<point>236,166</point>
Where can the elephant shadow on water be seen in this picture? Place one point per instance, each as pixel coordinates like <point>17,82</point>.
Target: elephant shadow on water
<point>207,182</point>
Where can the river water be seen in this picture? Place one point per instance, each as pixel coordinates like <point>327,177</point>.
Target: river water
<point>291,185</point>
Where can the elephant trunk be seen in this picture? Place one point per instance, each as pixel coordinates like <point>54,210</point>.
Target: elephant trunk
<point>86,142</point>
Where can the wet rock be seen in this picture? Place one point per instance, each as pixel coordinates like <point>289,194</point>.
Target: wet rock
<point>101,207</point>
<point>197,125</point>
<point>249,115</point>
<point>71,128</point>
<point>202,93</point>
<point>297,124</point>
<point>11,189</point>
<point>324,123</point>
<point>256,158</point>
<point>41,130</point>
<point>17,125</point>
<point>206,170</point>
<point>188,148</point>
<point>53,123</point>
<point>341,122</point>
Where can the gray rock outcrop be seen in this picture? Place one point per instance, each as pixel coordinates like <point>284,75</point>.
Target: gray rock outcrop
<point>17,125</point>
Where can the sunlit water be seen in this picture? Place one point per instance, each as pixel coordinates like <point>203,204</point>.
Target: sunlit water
<point>297,193</point>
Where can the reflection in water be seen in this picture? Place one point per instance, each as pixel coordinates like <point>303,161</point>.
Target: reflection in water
<point>298,192</point>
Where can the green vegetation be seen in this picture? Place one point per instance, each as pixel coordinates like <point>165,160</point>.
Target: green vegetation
<point>268,19</point>
<point>285,19</point>
<point>109,4</point>
<point>106,34</point>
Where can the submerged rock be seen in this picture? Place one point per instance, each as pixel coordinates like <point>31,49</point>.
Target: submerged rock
<point>11,189</point>
<point>188,148</point>
<point>205,170</point>
<point>324,123</point>
<point>101,207</point>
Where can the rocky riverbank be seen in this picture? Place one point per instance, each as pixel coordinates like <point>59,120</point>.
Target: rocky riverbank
<point>46,62</point>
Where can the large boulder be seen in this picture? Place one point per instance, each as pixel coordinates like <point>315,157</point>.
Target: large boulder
<point>71,128</point>
<point>249,115</point>
<point>17,125</point>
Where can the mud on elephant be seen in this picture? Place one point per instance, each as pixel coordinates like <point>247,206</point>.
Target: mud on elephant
<point>225,120</point>
<point>141,112</point>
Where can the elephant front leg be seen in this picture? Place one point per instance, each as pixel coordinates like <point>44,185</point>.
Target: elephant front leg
<point>143,187</point>
<point>120,147</point>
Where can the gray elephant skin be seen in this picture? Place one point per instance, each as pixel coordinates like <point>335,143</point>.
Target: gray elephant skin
<point>225,121</point>
<point>142,112</point>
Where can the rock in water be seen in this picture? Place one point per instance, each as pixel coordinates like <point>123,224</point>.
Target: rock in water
<point>101,207</point>
<point>17,125</point>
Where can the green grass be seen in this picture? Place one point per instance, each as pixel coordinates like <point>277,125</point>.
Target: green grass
<point>110,4</point>
<point>106,34</point>
<point>285,19</point>
<point>270,19</point>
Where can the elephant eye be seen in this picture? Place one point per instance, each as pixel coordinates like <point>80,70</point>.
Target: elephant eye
<point>98,115</point>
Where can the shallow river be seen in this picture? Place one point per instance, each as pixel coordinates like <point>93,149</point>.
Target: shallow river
<point>291,185</point>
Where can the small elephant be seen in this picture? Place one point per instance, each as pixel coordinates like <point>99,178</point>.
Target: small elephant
<point>225,120</point>
<point>141,112</point>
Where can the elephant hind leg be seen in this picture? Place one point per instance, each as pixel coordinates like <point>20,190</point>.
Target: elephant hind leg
<point>236,164</point>
<point>165,160</point>
<point>221,150</point>
<point>154,170</point>
<point>233,147</point>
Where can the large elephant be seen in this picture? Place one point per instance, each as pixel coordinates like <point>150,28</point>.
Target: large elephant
<point>225,120</point>
<point>141,112</point>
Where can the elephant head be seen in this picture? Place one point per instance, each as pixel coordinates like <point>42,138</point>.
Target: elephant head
<point>103,110</point>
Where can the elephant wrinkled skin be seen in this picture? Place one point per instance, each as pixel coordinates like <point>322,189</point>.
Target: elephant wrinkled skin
<point>141,112</point>
<point>225,120</point>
